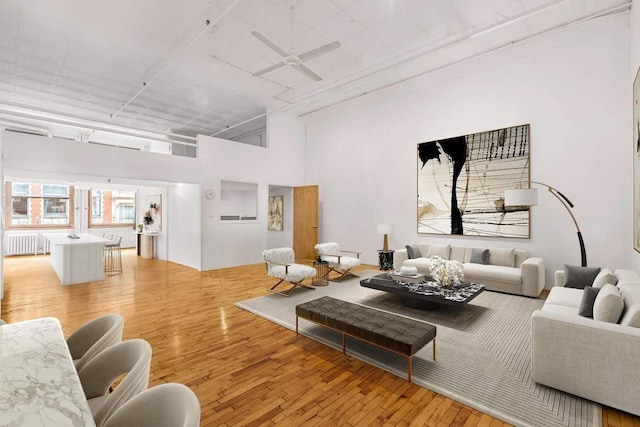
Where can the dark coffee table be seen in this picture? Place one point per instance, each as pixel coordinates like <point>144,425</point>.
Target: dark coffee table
<point>427,295</point>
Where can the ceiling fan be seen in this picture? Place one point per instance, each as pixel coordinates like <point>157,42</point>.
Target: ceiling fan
<point>290,58</point>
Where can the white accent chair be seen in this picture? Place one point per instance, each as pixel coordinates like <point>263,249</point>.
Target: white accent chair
<point>331,254</point>
<point>166,405</point>
<point>281,264</point>
<point>94,336</point>
<point>133,358</point>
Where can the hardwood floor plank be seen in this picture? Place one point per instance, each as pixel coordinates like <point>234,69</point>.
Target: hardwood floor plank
<point>245,370</point>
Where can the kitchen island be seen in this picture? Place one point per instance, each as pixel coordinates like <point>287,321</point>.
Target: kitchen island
<point>77,260</point>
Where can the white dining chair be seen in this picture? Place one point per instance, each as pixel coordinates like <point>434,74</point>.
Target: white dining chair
<point>93,337</point>
<point>166,405</point>
<point>133,358</point>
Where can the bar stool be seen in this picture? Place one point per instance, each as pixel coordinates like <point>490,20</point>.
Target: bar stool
<point>112,256</point>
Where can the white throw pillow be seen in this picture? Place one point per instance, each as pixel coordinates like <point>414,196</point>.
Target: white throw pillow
<point>631,297</point>
<point>608,305</point>
<point>439,250</point>
<point>502,256</point>
<point>605,276</point>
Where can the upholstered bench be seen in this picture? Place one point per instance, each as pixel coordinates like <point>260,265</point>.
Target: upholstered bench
<point>395,333</point>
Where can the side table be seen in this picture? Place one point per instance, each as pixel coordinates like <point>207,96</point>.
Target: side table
<point>322,268</point>
<point>385,259</point>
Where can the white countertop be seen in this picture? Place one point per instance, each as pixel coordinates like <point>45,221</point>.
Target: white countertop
<point>63,239</point>
<point>39,385</point>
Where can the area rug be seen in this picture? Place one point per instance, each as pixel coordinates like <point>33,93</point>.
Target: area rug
<point>483,352</point>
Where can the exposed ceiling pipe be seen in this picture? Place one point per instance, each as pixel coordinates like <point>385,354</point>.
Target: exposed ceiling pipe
<point>41,110</point>
<point>117,130</point>
<point>208,26</point>
<point>239,124</point>
<point>7,125</point>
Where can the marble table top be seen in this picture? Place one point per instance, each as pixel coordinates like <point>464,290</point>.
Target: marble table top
<point>39,385</point>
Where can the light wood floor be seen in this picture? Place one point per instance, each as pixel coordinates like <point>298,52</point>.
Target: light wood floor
<point>244,369</point>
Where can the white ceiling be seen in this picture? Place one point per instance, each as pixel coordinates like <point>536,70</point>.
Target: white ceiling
<point>155,65</point>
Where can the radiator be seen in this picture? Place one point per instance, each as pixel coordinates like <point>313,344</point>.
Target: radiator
<point>21,244</point>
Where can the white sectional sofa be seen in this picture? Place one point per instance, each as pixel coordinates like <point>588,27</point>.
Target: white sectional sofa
<point>589,358</point>
<point>508,270</point>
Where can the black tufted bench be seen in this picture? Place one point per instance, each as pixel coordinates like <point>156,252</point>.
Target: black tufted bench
<point>389,331</point>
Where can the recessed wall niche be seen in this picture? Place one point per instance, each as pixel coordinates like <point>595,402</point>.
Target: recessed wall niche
<point>238,201</point>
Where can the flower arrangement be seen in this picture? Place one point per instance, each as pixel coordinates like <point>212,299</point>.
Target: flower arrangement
<point>446,273</point>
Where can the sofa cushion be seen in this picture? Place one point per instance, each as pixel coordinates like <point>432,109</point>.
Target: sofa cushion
<point>605,276</point>
<point>413,251</point>
<point>439,250</point>
<point>487,273</point>
<point>568,297</point>
<point>579,277</point>
<point>479,256</point>
<point>502,256</point>
<point>631,314</point>
<point>627,277</point>
<point>589,295</point>
<point>608,305</point>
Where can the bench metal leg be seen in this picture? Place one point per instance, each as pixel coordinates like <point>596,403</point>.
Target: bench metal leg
<point>296,325</point>
<point>434,348</point>
<point>409,360</point>
<point>344,343</point>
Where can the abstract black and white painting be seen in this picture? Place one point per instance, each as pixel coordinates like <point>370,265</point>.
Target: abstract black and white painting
<point>636,162</point>
<point>462,180</point>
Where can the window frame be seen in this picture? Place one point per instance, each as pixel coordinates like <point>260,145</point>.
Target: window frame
<point>110,224</point>
<point>8,208</point>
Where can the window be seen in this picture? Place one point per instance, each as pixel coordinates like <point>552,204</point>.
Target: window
<point>112,208</point>
<point>36,205</point>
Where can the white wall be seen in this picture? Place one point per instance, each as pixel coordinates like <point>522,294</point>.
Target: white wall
<point>284,238</point>
<point>184,208</point>
<point>282,163</point>
<point>572,87</point>
<point>634,62</point>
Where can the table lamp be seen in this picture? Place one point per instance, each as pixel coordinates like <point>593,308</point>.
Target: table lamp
<point>385,229</point>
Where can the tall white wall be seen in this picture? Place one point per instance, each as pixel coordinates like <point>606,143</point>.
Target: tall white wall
<point>282,163</point>
<point>634,63</point>
<point>183,208</point>
<point>572,87</point>
<point>284,238</point>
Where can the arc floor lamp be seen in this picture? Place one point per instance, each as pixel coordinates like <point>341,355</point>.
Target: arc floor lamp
<point>529,197</point>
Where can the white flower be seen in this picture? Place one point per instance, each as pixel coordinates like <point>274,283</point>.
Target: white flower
<point>446,272</point>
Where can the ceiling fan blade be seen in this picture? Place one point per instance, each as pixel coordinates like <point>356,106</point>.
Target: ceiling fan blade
<point>319,51</point>
<point>268,69</point>
<point>269,43</point>
<point>307,72</point>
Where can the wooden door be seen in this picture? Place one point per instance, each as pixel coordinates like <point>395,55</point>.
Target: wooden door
<point>305,221</point>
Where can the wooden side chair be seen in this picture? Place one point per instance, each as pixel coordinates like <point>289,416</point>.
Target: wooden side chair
<point>281,264</point>
<point>342,264</point>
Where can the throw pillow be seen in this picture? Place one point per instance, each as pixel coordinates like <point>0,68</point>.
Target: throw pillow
<point>479,256</point>
<point>608,305</point>
<point>502,256</point>
<point>579,277</point>
<point>631,314</point>
<point>605,276</point>
<point>413,251</point>
<point>439,250</point>
<point>588,299</point>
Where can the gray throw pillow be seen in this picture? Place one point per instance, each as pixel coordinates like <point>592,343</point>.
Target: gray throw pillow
<point>413,251</point>
<point>479,256</point>
<point>579,277</point>
<point>588,299</point>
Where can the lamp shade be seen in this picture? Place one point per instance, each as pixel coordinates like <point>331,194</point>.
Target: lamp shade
<point>385,228</point>
<point>521,197</point>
